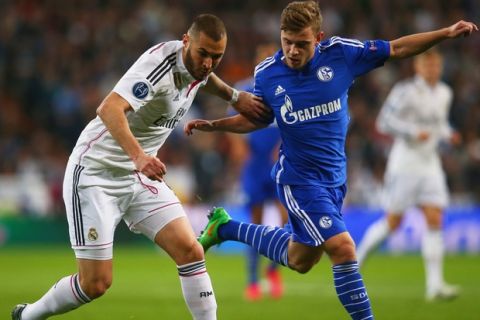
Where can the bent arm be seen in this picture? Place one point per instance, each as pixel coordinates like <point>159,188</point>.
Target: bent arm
<point>218,87</point>
<point>112,112</point>
<point>414,44</point>
<point>244,102</point>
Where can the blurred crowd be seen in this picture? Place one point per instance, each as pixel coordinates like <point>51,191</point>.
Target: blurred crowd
<point>58,59</point>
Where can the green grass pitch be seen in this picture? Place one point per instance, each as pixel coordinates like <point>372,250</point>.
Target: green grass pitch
<point>146,287</point>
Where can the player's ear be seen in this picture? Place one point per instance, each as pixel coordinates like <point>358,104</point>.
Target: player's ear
<point>319,36</point>
<point>185,39</point>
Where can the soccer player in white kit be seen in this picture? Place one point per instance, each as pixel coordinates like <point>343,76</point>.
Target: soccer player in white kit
<point>416,115</point>
<point>113,172</point>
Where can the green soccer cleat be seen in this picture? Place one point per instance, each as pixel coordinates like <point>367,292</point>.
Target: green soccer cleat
<point>209,236</point>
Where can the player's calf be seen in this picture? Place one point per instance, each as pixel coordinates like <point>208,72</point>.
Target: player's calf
<point>64,296</point>
<point>351,291</point>
<point>197,290</point>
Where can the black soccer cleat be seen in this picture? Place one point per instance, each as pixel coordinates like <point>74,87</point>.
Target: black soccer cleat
<point>17,311</point>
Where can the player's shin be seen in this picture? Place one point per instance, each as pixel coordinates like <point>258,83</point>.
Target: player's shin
<point>373,237</point>
<point>198,291</point>
<point>64,296</point>
<point>351,291</point>
<point>432,252</point>
<point>271,242</point>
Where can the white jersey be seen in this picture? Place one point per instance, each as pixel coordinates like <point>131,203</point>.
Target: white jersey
<point>411,107</point>
<point>160,90</point>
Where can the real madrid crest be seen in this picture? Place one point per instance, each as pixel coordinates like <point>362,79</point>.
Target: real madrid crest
<point>92,234</point>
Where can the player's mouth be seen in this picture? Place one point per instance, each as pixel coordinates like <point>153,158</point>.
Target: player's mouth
<point>293,61</point>
<point>203,73</point>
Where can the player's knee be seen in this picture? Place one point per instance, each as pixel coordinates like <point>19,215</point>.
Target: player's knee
<point>301,265</point>
<point>342,251</point>
<point>97,287</point>
<point>192,252</point>
<point>394,222</point>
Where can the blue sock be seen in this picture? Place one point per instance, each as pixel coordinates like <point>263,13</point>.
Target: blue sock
<point>252,257</point>
<point>272,242</point>
<point>351,291</point>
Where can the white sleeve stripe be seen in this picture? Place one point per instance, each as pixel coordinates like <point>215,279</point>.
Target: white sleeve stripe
<point>264,62</point>
<point>264,66</point>
<point>353,41</point>
<point>348,42</point>
<point>163,73</point>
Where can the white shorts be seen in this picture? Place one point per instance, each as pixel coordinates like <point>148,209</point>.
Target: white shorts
<point>403,191</point>
<point>96,201</point>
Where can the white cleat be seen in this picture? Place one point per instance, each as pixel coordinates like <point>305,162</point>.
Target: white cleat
<point>17,311</point>
<point>444,293</point>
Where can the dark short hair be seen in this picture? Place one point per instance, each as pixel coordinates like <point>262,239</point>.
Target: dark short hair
<point>211,25</point>
<point>299,15</point>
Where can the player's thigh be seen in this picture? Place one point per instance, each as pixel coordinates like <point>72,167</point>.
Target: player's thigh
<point>400,192</point>
<point>153,206</point>
<point>161,218</point>
<point>433,191</point>
<point>178,240</point>
<point>314,212</point>
<point>94,202</point>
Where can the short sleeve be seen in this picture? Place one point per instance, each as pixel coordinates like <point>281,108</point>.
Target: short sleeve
<point>365,56</point>
<point>141,82</point>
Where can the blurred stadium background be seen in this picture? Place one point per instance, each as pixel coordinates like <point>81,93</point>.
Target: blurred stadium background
<point>58,59</point>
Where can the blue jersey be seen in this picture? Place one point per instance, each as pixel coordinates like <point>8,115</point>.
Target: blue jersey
<point>311,109</point>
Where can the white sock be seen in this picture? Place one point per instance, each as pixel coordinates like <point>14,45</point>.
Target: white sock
<point>374,236</point>
<point>197,290</point>
<point>432,251</point>
<point>64,296</point>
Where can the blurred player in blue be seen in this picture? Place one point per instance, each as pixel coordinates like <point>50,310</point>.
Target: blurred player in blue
<point>306,85</point>
<point>259,188</point>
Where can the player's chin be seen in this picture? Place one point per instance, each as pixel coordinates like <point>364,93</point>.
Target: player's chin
<point>201,75</point>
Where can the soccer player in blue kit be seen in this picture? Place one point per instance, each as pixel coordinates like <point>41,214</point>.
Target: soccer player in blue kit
<point>306,85</point>
<point>262,146</point>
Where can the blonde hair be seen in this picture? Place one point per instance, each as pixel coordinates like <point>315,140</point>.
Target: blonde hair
<point>299,15</point>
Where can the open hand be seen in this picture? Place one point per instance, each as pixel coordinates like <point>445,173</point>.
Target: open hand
<point>461,28</point>
<point>198,124</point>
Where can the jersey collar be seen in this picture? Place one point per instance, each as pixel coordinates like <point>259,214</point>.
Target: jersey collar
<point>181,75</point>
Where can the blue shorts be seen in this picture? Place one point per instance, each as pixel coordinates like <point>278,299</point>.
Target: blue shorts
<point>314,212</point>
<point>259,187</point>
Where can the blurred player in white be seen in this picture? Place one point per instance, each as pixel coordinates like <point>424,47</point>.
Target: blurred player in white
<point>113,172</point>
<point>416,115</point>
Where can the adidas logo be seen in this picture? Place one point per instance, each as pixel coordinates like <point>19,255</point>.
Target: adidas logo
<point>279,90</point>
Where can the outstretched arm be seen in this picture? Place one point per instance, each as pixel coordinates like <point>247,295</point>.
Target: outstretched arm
<point>235,124</point>
<point>244,102</point>
<point>414,44</point>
